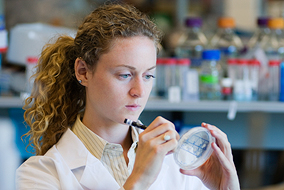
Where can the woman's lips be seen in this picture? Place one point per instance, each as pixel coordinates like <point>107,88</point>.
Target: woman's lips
<point>133,107</point>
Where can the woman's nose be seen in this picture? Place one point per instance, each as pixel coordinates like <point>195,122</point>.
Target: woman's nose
<point>138,88</point>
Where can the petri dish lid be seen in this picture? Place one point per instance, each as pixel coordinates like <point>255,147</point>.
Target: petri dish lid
<point>194,148</point>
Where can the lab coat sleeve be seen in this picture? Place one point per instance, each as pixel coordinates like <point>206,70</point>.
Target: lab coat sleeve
<point>37,173</point>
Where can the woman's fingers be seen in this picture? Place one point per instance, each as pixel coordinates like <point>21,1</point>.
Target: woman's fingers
<point>160,127</point>
<point>168,135</point>
<point>160,135</point>
<point>219,171</point>
<point>160,121</point>
<point>221,140</point>
<point>196,172</point>
<point>227,165</point>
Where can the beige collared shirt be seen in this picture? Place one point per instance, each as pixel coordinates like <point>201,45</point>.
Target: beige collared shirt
<point>110,154</point>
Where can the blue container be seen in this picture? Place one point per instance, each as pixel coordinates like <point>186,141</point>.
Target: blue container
<point>281,95</point>
<point>211,54</point>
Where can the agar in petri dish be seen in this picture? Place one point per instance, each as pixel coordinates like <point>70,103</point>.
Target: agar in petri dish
<point>194,148</point>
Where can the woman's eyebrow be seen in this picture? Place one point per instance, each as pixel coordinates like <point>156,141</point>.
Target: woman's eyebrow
<point>127,66</point>
<point>133,68</point>
<point>151,68</point>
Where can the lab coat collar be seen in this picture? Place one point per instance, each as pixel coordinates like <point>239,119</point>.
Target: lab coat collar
<point>95,174</point>
<point>77,155</point>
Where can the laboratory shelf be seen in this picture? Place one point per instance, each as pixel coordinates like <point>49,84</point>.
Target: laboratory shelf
<point>215,106</point>
<point>11,102</point>
<point>202,106</point>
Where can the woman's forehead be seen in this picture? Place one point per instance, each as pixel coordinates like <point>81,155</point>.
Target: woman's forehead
<point>134,51</point>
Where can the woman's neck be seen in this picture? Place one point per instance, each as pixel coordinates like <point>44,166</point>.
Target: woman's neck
<point>109,131</point>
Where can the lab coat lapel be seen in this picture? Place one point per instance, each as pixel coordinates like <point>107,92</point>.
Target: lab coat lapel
<point>76,155</point>
<point>96,175</point>
<point>72,150</point>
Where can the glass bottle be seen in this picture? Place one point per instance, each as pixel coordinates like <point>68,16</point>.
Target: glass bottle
<point>274,47</point>
<point>254,69</point>
<point>209,78</point>
<point>261,35</point>
<point>193,42</point>
<point>227,41</point>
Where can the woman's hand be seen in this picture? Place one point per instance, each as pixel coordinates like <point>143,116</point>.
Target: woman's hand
<point>151,150</point>
<point>219,171</point>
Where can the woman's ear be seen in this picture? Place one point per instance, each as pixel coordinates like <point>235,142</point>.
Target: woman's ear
<point>81,70</point>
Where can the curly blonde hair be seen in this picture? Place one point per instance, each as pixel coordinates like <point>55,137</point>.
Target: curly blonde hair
<point>57,97</point>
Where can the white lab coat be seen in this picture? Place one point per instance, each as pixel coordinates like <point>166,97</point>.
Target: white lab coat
<point>68,165</point>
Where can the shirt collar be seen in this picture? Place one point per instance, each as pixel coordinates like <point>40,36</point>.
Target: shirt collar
<point>94,143</point>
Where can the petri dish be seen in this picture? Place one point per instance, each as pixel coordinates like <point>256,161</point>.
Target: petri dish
<point>194,148</point>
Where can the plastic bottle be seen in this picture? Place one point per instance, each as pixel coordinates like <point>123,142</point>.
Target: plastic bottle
<point>30,70</point>
<point>193,42</point>
<point>187,80</point>
<point>228,82</point>
<point>192,85</point>
<point>261,35</point>
<point>3,32</point>
<point>274,47</point>
<point>242,85</point>
<point>274,50</point>
<point>182,67</point>
<point>227,88</point>
<point>4,77</point>
<point>170,78</point>
<point>254,69</point>
<point>227,41</point>
<point>232,66</point>
<point>273,80</point>
<point>209,79</point>
<point>165,76</point>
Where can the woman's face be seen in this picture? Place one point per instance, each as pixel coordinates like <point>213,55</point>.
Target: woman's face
<point>121,84</point>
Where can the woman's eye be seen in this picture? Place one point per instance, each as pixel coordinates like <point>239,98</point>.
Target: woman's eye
<point>149,76</point>
<point>124,76</point>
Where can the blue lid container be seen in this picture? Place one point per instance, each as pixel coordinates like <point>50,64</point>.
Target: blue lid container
<point>281,95</point>
<point>212,54</point>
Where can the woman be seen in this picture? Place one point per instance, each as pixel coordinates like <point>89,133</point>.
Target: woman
<point>84,89</point>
